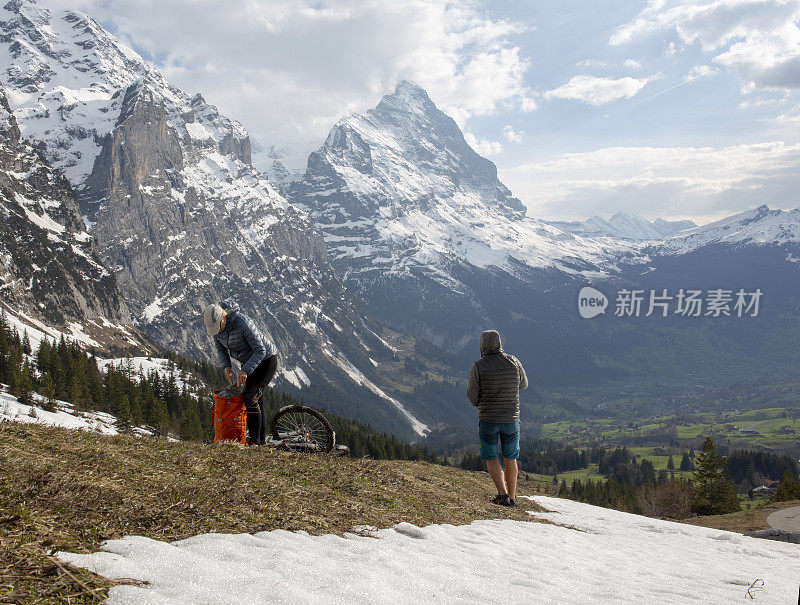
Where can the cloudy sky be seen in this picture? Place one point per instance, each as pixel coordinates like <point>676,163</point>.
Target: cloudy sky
<point>680,109</point>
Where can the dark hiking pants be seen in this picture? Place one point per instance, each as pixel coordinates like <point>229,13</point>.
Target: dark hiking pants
<point>256,406</point>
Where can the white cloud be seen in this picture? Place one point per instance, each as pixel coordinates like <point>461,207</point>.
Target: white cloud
<point>511,135</point>
<point>597,91</point>
<point>757,39</point>
<point>695,182</point>
<point>527,104</point>
<point>289,69</point>
<point>699,71</point>
<point>633,64</point>
<point>670,50</point>
<point>484,147</point>
<point>591,63</point>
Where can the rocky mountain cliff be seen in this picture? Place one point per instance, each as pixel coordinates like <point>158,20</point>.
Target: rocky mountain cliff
<point>51,272</point>
<point>180,216</point>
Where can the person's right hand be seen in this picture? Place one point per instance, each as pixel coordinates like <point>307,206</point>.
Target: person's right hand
<point>229,375</point>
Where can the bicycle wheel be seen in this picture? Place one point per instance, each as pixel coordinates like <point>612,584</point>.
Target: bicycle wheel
<point>302,428</point>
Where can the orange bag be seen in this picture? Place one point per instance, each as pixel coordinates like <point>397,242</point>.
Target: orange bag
<point>230,418</point>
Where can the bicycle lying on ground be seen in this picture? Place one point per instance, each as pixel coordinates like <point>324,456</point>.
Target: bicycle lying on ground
<point>301,428</point>
<point>294,427</point>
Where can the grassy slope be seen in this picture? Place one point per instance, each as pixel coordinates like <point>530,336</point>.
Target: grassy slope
<point>742,521</point>
<point>70,490</point>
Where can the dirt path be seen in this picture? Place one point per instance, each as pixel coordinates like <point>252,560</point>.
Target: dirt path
<point>787,519</point>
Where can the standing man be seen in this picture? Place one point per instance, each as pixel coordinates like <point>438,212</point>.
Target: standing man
<point>494,384</point>
<point>236,336</point>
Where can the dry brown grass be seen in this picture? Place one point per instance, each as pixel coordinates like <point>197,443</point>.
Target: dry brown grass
<point>70,490</point>
<point>743,520</point>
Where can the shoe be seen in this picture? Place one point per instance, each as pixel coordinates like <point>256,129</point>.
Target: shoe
<point>501,499</point>
<point>512,502</point>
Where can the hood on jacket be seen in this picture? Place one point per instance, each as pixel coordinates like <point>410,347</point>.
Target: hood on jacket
<point>231,308</point>
<point>490,342</point>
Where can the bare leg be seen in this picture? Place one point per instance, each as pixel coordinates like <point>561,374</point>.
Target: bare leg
<point>511,477</point>
<point>496,473</point>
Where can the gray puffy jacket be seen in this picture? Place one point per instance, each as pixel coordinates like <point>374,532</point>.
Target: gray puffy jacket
<point>495,381</point>
<point>241,340</point>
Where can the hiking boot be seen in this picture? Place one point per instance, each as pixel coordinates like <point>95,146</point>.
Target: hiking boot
<point>501,499</point>
<point>511,502</point>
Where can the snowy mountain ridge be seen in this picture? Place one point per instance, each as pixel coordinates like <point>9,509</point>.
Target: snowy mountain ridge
<point>624,225</point>
<point>759,226</point>
<point>397,191</point>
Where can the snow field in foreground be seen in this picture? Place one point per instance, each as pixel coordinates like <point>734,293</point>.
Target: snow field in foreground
<point>609,556</point>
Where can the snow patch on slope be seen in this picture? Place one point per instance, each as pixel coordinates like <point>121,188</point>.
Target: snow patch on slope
<point>358,377</point>
<point>597,559</point>
<point>297,377</point>
<point>145,365</point>
<point>65,415</point>
<point>37,331</point>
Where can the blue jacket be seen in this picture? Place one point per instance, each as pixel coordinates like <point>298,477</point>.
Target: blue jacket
<point>241,340</point>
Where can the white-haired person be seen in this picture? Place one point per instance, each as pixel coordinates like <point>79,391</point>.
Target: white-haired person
<point>236,336</point>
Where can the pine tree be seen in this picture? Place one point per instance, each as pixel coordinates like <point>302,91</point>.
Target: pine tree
<point>788,489</point>
<point>22,386</point>
<point>715,493</point>
<point>686,463</point>
<point>159,417</point>
<point>123,415</point>
<point>670,464</point>
<point>47,389</point>
<point>76,394</point>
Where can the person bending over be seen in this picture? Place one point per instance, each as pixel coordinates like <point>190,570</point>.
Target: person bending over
<point>236,336</point>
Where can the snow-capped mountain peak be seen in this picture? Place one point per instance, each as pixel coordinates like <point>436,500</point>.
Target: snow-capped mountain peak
<point>399,189</point>
<point>407,97</point>
<point>65,63</point>
<point>410,212</point>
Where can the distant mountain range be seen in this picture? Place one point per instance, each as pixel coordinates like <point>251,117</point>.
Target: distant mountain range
<point>624,225</point>
<point>398,234</point>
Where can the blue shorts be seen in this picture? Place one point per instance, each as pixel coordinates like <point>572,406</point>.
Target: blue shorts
<point>507,433</point>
